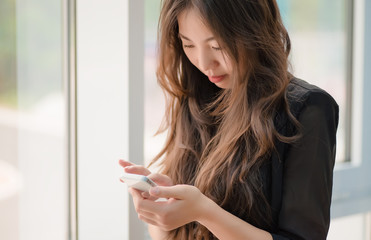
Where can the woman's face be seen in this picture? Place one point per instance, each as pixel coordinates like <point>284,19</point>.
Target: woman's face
<point>203,50</point>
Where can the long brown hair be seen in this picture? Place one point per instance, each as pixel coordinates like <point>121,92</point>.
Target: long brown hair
<point>218,139</point>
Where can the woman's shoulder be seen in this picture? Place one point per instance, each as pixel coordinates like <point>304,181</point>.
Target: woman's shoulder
<point>300,94</point>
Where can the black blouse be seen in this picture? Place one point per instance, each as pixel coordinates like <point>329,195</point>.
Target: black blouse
<point>299,176</point>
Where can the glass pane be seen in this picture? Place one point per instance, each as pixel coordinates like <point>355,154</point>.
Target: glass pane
<point>355,227</point>
<point>320,51</point>
<point>154,103</point>
<point>33,155</point>
<point>154,98</point>
<point>319,31</point>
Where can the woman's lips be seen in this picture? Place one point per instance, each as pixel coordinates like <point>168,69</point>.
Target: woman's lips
<point>216,79</point>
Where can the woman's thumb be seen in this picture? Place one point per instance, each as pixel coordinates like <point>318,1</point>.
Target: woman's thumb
<point>167,192</point>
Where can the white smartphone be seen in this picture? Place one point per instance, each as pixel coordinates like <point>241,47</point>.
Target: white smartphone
<point>137,181</point>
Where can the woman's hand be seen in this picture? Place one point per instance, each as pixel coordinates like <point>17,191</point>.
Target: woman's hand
<point>185,204</point>
<point>132,168</point>
<point>159,179</point>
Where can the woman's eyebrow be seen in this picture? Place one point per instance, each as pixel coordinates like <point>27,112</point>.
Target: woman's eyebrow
<point>186,38</point>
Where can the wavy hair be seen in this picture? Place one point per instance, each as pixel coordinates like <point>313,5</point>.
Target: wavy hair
<point>218,139</point>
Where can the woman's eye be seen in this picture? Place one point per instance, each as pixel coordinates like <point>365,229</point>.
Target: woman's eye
<point>217,48</point>
<point>188,46</point>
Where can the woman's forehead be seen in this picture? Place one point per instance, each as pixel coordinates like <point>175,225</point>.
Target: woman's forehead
<point>192,26</point>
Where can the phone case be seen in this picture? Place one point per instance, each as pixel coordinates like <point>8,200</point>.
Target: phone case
<point>139,182</point>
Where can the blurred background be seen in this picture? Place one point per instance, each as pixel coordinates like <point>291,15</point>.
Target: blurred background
<point>328,42</point>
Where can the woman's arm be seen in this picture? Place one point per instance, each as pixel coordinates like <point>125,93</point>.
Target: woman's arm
<point>156,233</point>
<point>187,204</point>
<point>307,186</point>
<point>225,225</point>
<point>308,172</point>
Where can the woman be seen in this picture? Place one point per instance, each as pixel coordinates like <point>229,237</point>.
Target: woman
<point>250,149</point>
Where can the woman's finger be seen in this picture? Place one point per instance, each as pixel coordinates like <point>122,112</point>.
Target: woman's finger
<point>143,206</point>
<point>161,179</point>
<point>130,167</point>
<point>146,214</point>
<point>148,220</point>
<point>135,193</point>
<point>146,205</point>
<point>136,169</point>
<point>177,191</point>
<point>125,163</point>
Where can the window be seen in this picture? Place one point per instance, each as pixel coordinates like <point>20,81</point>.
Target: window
<point>106,109</point>
<point>321,50</point>
<point>154,97</point>
<point>327,49</point>
<point>33,124</point>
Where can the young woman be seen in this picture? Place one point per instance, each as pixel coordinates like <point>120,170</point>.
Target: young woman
<point>250,149</point>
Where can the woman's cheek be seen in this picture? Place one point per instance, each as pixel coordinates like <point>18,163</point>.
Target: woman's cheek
<point>192,59</point>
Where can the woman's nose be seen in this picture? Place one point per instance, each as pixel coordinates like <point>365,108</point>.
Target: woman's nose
<point>206,61</point>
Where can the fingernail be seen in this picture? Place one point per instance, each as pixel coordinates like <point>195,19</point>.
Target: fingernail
<point>145,194</point>
<point>155,191</point>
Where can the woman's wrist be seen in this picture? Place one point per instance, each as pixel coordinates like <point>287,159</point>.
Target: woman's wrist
<point>156,233</point>
<point>207,208</point>
<point>225,225</point>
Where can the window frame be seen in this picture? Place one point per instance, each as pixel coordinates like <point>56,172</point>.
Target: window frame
<point>352,185</point>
